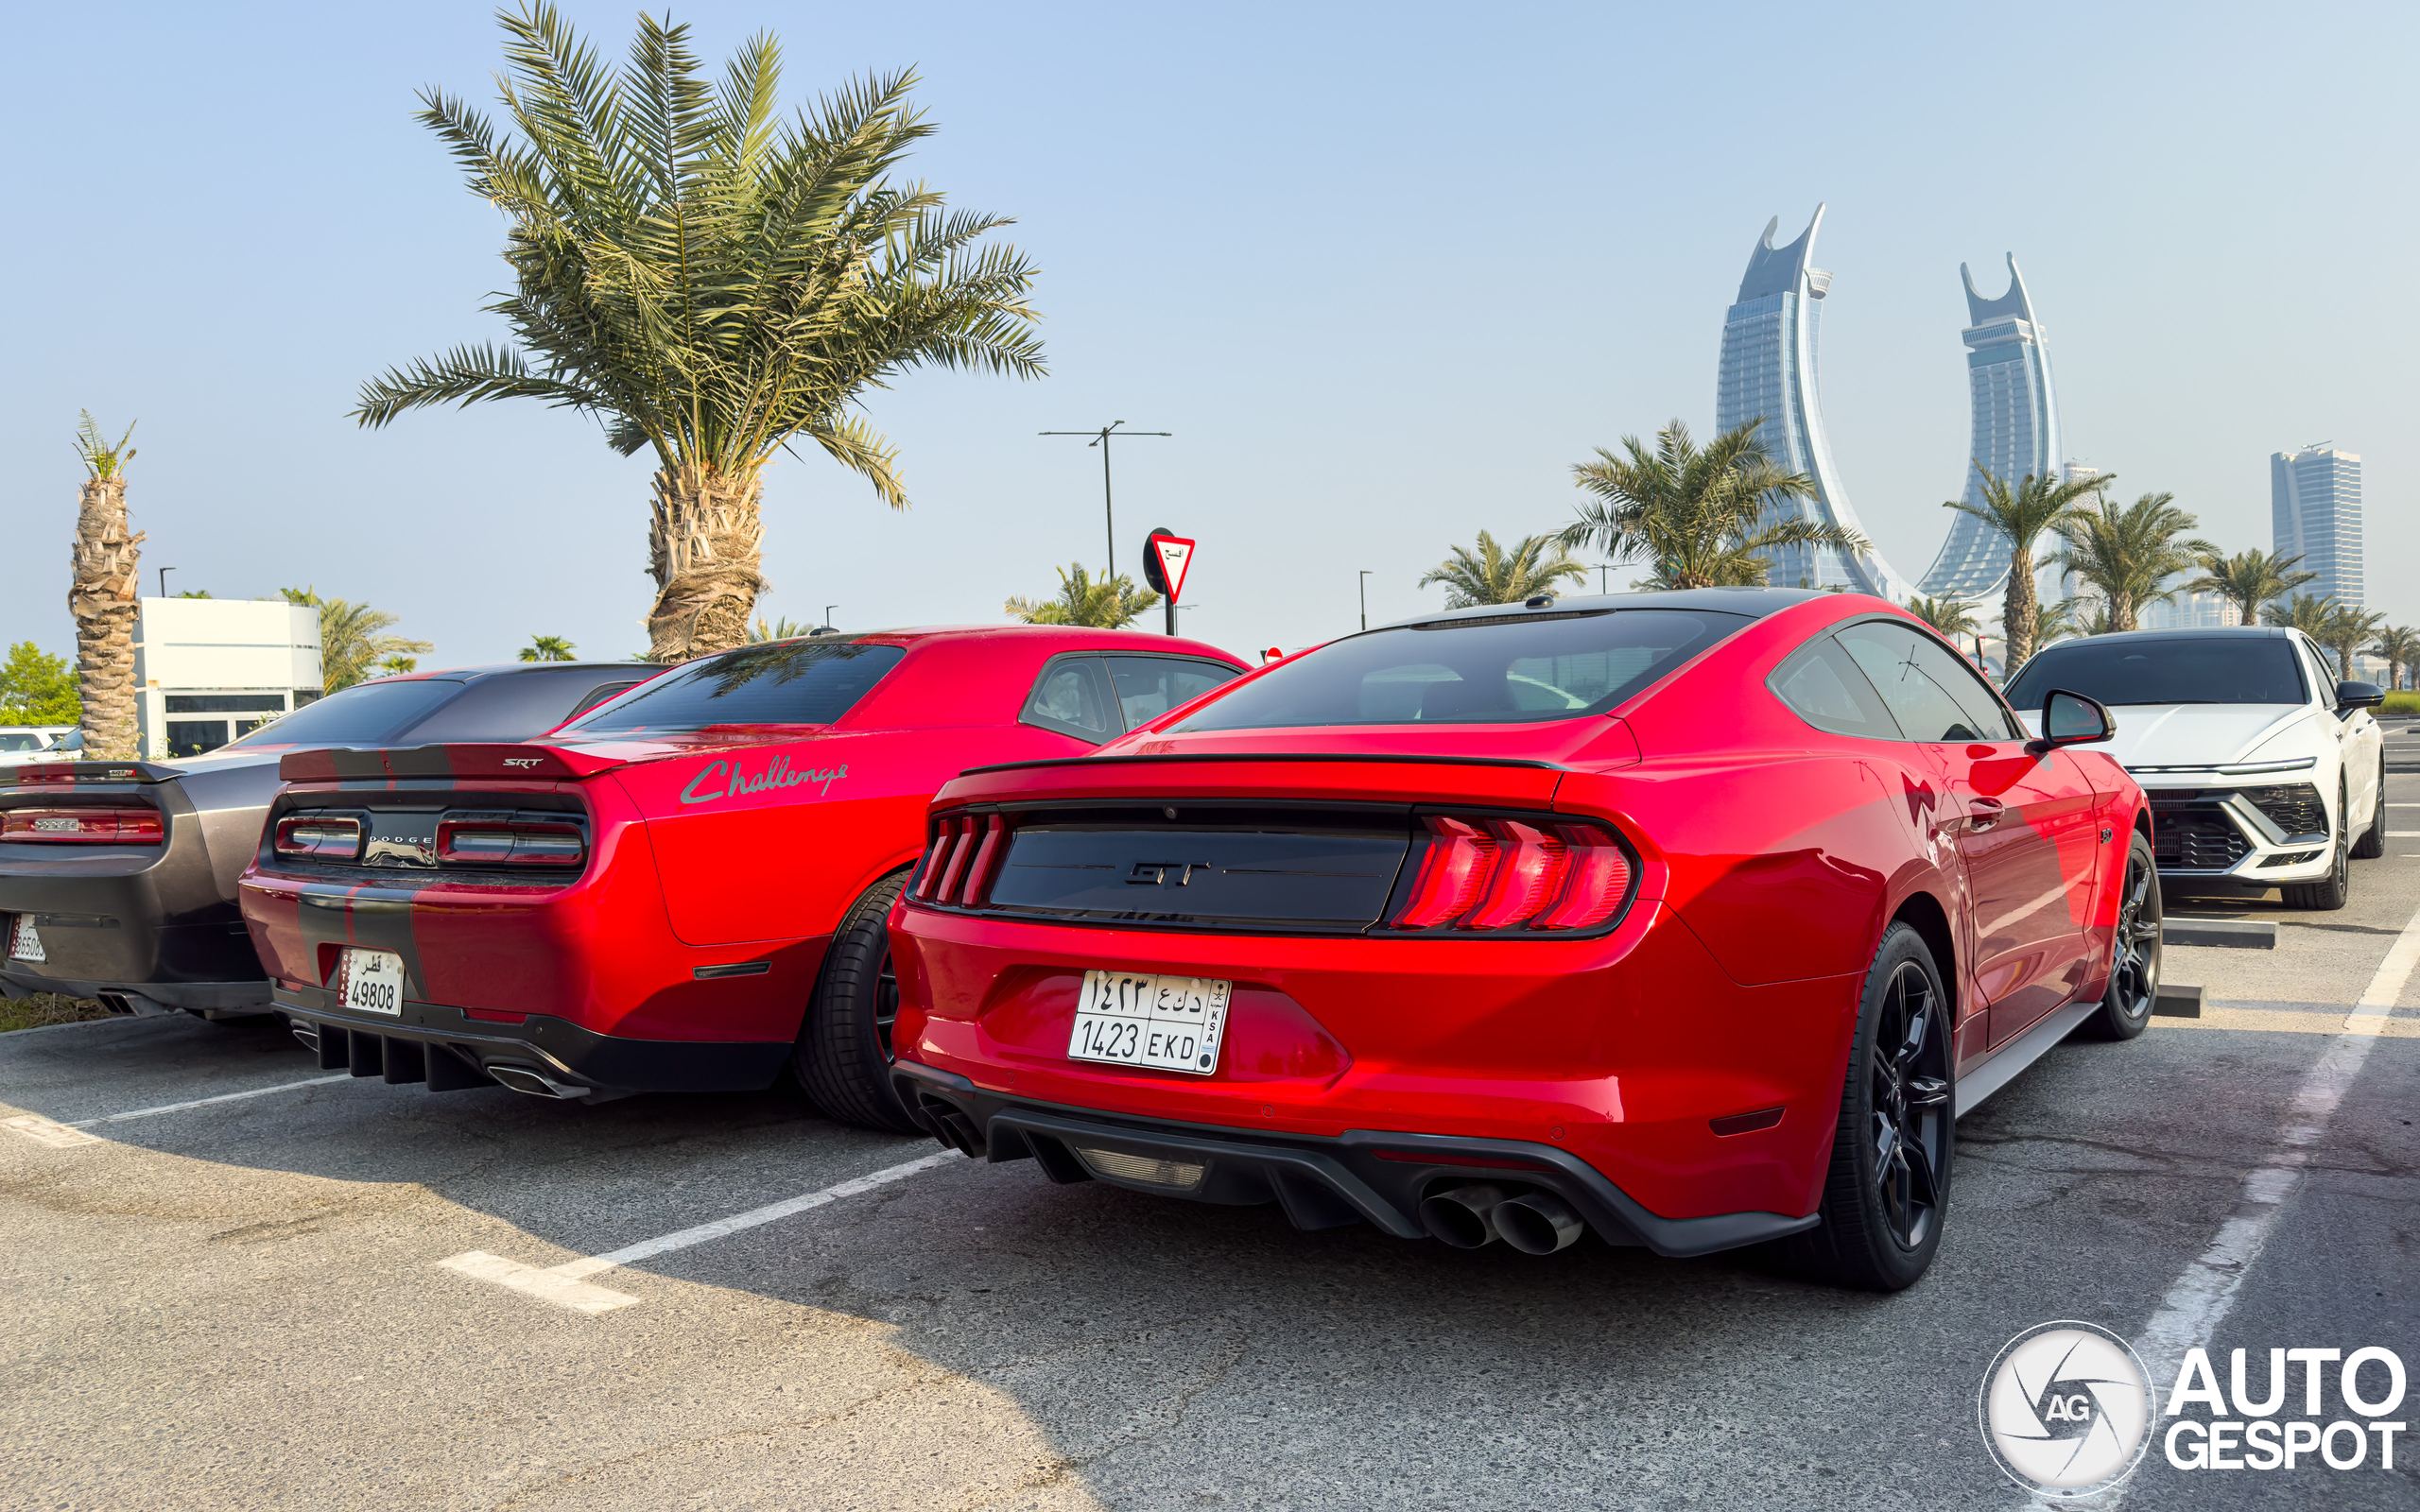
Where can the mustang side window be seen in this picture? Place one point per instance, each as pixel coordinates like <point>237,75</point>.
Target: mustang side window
<point>1825,688</point>
<point>1922,684</point>
<point>1071,697</point>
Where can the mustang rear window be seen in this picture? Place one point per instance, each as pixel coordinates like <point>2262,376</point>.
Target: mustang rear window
<point>361,716</point>
<point>788,682</point>
<point>2188,669</point>
<point>1502,669</point>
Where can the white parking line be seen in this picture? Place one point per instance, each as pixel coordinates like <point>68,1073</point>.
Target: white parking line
<point>565,1285</point>
<point>2202,1297</point>
<point>35,1127</point>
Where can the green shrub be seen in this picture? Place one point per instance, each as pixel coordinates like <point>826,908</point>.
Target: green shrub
<point>2406,702</point>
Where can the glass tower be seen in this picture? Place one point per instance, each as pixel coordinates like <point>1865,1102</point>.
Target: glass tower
<point>1768,375</point>
<point>2016,436</point>
<point>2315,511</point>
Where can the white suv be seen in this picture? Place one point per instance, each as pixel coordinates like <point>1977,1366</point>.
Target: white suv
<point>21,744</point>
<point>2264,769</point>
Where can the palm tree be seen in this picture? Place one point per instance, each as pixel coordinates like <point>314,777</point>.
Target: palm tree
<point>1952,617</point>
<point>2344,630</point>
<point>395,666</point>
<point>1703,518</point>
<point>354,642</point>
<point>2020,515</point>
<point>2307,613</point>
<point>2125,553</point>
<point>712,283</point>
<point>1112,603</point>
<point>105,595</point>
<point>549,648</point>
<point>781,630</point>
<point>1495,576</point>
<point>2398,646</point>
<point>2248,579</point>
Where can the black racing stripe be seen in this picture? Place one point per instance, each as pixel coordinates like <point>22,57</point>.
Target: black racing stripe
<point>379,919</point>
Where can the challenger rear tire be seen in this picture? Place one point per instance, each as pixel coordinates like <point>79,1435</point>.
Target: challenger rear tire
<point>843,1056</point>
<point>1889,1183</point>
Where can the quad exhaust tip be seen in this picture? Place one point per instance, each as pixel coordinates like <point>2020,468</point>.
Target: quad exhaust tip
<point>1478,1213</point>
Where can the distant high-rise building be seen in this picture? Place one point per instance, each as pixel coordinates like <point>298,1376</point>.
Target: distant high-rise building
<point>2015,430</point>
<point>1769,373</point>
<point>2315,512</point>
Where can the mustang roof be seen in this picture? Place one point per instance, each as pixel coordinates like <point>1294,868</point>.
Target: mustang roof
<point>1753,602</point>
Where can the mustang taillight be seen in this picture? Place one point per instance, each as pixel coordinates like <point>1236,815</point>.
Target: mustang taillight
<point>328,839</point>
<point>1503,874</point>
<point>84,826</point>
<point>963,858</point>
<point>509,843</point>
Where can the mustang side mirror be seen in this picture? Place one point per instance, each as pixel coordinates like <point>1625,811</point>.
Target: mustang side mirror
<point>2069,719</point>
<point>2358,695</point>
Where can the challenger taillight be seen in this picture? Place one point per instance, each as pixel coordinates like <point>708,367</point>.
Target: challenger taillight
<point>313,836</point>
<point>1486,874</point>
<point>82,826</point>
<point>963,860</point>
<point>509,843</point>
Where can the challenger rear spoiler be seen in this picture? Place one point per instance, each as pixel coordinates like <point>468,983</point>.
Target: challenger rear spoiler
<point>544,763</point>
<point>67,774</point>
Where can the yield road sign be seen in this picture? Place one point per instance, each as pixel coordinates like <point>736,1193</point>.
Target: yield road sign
<point>1166,558</point>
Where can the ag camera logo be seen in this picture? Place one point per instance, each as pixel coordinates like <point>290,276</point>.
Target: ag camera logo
<point>2066,1409</point>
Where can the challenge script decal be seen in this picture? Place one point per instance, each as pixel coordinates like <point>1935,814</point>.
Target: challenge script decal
<point>725,779</point>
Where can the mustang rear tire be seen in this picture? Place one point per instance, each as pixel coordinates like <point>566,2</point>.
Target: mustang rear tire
<point>2134,967</point>
<point>1889,1182</point>
<point>843,1055</point>
<point>2372,844</point>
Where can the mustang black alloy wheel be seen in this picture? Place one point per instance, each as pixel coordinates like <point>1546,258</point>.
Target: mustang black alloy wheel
<point>843,1056</point>
<point>2133,971</point>
<point>1889,1182</point>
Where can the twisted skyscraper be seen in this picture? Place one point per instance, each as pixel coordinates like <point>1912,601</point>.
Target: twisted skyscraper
<point>2015,435</point>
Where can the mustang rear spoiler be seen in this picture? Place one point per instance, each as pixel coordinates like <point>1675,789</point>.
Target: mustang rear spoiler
<point>67,774</point>
<point>545,763</point>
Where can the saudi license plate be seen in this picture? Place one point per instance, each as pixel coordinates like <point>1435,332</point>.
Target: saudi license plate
<point>1166,1022</point>
<point>372,981</point>
<point>23,944</point>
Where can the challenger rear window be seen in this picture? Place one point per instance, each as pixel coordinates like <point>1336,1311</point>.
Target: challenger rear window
<point>1500,669</point>
<point>787,682</point>
<point>365,715</point>
<point>2187,669</point>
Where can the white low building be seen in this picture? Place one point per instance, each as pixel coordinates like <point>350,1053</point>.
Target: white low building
<point>212,669</point>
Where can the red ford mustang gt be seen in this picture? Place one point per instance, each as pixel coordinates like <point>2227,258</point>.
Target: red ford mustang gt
<point>1689,919</point>
<point>683,890</point>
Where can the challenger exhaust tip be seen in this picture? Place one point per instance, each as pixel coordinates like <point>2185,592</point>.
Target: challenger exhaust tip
<point>536,1083</point>
<point>306,1031</point>
<point>1462,1216</point>
<point>1537,1222</point>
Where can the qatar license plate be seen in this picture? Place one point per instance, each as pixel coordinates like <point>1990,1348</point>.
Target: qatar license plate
<point>372,981</point>
<point>1166,1022</point>
<point>23,944</point>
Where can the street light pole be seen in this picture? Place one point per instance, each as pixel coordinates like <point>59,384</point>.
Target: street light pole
<point>1364,584</point>
<point>163,580</point>
<point>1108,508</point>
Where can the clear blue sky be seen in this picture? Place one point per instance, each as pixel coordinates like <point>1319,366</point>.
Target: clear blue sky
<point>1386,271</point>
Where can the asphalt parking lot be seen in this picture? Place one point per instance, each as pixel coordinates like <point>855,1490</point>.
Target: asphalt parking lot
<point>244,1303</point>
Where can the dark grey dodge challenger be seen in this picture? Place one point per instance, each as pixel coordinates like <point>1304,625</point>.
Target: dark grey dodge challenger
<point>117,879</point>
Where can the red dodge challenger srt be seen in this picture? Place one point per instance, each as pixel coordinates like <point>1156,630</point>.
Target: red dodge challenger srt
<point>683,889</point>
<point>1690,918</point>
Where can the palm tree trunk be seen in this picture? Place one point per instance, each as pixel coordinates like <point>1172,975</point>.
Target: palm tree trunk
<point>2018,620</point>
<point>104,600</point>
<point>705,550</point>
